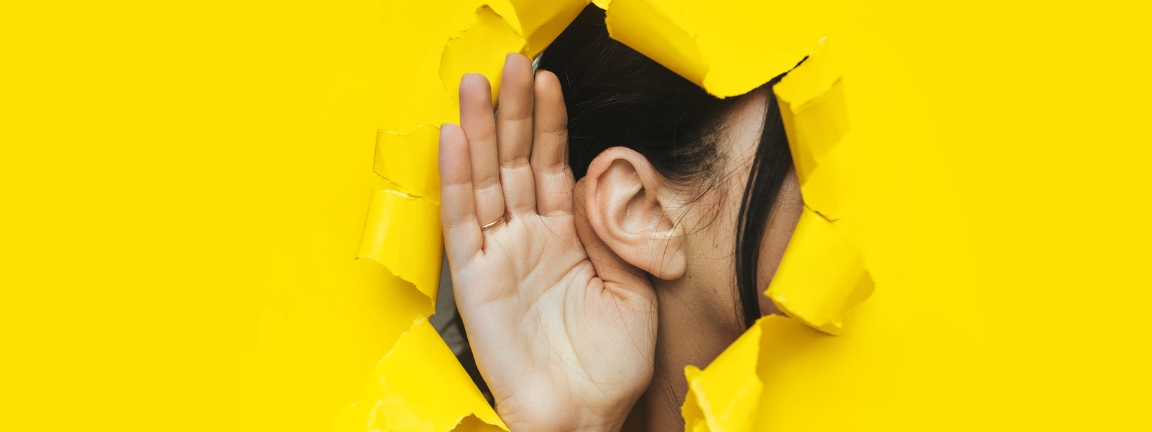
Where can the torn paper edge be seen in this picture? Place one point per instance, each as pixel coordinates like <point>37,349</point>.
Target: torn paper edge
<point>367,243</point>
<point>650,9</point>
<point>398,185</point>
<point>351,408</point>
<point>822,72</point>
<point>450,40</point>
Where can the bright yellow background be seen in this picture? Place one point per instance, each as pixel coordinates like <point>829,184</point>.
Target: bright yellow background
<point>179,212</point>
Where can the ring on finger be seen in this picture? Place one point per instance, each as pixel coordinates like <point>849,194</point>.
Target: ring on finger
<point>492,224</point>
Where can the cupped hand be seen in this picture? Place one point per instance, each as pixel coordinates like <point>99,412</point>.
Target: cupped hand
<point>562,330</point>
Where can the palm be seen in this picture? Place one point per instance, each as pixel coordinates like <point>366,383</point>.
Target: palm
<point>561,337</point>
<point>542,326</point>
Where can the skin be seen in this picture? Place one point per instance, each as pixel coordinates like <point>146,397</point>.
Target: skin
<point>584,305</point>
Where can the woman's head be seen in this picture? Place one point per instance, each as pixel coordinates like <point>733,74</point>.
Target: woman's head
<point>694,190</point>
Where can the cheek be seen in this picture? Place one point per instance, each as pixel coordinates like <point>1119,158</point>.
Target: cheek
<point>785,214</point>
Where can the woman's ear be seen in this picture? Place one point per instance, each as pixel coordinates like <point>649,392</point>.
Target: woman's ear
<point>628,206</point>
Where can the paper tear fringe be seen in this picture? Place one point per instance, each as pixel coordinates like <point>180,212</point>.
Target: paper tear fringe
<point>709,43</point>
<point>481,48</point>
<point>406,159</point>
<point>529,28</point>
<point>395,399</point>
<point>540,22</point>
<point>822,275</point>
<point>403,234</point>
<point>726,397</point>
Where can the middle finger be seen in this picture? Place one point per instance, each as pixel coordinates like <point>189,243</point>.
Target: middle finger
<point>514,135</point>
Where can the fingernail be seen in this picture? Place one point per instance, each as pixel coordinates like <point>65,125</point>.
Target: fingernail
<point>475,75</point>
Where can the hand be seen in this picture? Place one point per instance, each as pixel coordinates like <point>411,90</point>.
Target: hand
<point>563,331</point>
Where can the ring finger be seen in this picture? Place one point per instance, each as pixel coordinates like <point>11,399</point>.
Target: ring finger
<point>479,124</point>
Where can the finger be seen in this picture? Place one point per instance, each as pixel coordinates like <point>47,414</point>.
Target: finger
<point>479,126</point>
<point>550,148</point>
<point>514,135</point>
<point>462,237</point>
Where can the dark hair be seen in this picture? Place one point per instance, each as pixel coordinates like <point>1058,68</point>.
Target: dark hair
<point>618,97</point>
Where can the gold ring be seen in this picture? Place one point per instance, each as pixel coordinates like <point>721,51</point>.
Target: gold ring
<point>492,224</point>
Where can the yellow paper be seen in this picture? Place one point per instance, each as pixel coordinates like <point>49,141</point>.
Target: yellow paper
<point>541,21</point>
<point>815,116</point>
<point>729,47</point>
<point>661,31</point>
<point>409,160</point>
<point>821,276</point>
<point>419,386</point>
<point>403,234</point>
<point>481,48</point>
<point>723,398</point>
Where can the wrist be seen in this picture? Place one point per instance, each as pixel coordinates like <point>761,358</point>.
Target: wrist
<point>613,427</point>
<point>575,420</point>
<point>598,422</point>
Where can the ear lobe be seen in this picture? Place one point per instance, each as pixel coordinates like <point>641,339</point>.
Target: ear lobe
<point>628,207</point>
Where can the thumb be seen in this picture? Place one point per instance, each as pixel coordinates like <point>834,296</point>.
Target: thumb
<point>619,276</point>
